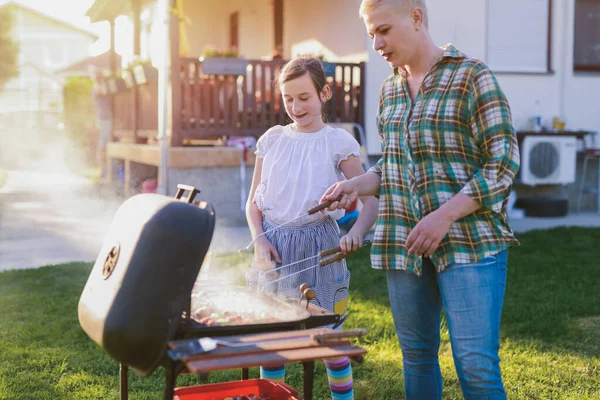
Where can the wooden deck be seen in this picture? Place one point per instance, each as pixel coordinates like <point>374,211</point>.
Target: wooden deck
<point>216,106</point>
<point>179,157</point>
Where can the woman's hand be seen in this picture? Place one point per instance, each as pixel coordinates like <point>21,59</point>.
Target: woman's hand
<point>265,255</point>
<point>427,235</point>
<point>347,189</point>
<point>350,242</point>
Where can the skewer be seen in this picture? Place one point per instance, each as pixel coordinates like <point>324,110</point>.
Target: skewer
<point>312,211</point>
<point>337,256</point>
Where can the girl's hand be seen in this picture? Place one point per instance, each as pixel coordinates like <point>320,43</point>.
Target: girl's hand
<point>351,242</point>
<point>265,254</point>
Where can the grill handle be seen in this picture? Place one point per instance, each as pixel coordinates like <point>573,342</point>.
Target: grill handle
<point>182,188</point>
<point>322,206</point>
<point>324,337</point>
<point>336,250</point>
<point>332,259</point>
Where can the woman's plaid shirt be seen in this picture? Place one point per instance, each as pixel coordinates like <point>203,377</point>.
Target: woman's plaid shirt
<point>457,137</point>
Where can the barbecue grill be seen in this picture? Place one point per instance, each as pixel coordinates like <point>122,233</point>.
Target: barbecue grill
<point>138,295</point>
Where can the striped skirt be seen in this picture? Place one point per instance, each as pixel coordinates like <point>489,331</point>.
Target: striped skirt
<point>295,243</point>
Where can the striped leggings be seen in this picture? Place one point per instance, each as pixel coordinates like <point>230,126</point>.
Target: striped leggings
<point>330,284</point>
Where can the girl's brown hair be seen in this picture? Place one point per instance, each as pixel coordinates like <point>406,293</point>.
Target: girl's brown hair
<point>300,66</point>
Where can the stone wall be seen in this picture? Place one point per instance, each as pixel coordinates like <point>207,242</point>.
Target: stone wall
<point>221,187</point>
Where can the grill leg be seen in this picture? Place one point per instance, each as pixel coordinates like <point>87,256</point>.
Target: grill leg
<point>170,380</point>
<point>309,371</point>
<point>123,382</point>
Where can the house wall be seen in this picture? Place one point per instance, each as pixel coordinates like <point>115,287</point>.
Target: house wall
<point>209,24</point>
<point>45,45</point>
<point>49,44</point>
<point>566,94</point>
<point>331,28</point>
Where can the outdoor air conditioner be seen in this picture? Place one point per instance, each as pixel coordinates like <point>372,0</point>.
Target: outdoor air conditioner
<point>548,160</point>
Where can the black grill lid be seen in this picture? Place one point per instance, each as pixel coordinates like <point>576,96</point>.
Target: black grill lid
<point>143,277</point>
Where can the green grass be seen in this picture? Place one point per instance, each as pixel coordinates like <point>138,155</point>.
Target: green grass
<point>550,331</point>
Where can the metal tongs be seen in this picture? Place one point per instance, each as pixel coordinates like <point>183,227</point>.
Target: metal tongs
<point>195,347</point>
<point>312,211</point>
<point>326,257</point>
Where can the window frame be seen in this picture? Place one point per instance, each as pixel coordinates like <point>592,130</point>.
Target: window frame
<point>581,67</point>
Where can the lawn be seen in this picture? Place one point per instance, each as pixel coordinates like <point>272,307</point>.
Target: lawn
<point>550,333</point>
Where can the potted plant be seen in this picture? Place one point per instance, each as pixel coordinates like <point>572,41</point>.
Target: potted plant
<point>115,84</point>
<point>102,87</point>
<point>222,62</point>
<point>128,78</point>
<point>144,72</point>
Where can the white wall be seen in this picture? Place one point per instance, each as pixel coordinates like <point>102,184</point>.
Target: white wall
<point>49,44</point>
<point>210,25</point>
<point>331,24</point>
<point>45,45</point>
<point>571,96</point>
<point>581,91</point>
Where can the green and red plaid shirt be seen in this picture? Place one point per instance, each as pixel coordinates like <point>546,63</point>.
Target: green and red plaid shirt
<point>457,137</point>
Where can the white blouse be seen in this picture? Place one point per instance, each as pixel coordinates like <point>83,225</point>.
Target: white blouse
<point>298,168</point>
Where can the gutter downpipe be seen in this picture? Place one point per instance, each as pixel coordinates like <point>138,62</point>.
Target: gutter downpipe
<point>164,100</point>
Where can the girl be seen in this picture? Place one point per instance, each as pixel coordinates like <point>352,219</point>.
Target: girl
<point>296,164</point>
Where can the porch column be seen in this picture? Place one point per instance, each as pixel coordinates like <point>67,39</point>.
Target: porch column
<point>113,67</point>
<point>278,24</point>
<point>165,94</point>
<point>113,54</point>
<point>176,138</point>
<point>136,8</point>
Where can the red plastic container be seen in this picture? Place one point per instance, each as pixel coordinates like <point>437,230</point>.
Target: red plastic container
<point>220,391</point>
<point>149,186</point>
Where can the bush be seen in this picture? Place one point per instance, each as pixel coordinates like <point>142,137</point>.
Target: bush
<point>79,116</point>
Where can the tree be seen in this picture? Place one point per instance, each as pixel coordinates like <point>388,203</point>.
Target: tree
<point>9,50</point>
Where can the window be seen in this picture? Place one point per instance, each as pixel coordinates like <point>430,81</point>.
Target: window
<point>586,46</point>
<point>519,36</point>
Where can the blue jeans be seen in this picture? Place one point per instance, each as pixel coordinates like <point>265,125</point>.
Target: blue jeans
<point>472,295</point>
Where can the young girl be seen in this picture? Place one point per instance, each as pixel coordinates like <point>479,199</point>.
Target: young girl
<point>296,164</point>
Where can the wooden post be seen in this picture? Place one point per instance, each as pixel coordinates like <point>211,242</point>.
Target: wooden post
<point>128,185</point>
<point>136,7</point>
<point>278,24</point>
<point>361,94</point>
<point>113,66</point>
<point>176,137</point>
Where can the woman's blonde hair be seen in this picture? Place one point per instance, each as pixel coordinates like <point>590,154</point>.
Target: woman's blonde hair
<point>400,5</point>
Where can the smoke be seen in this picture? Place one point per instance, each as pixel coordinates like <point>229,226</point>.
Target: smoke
<point>55,211</point>
<point>52,211</point>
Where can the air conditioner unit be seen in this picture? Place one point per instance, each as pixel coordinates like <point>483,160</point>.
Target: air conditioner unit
<point>548,160</point>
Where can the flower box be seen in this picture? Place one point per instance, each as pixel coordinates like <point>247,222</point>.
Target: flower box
<point>115,84</point>
<point>102,88</point>
<point>128,78</point>
<point>144,73</point>
<point>224,66</point>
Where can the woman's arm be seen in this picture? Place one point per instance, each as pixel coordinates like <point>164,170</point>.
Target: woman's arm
<point>353,168</point>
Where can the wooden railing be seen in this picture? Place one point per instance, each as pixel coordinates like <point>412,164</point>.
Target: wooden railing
<point>247,105</point>
<point>211,106</point>
<point>136,119</point>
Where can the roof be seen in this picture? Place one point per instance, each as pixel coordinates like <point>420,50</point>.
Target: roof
<point>101,62</point>
<point>42,14</point>
<point>107,10</point>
